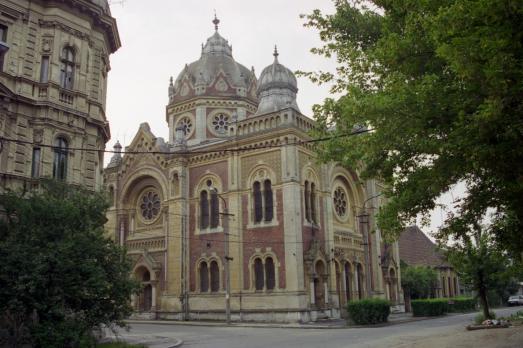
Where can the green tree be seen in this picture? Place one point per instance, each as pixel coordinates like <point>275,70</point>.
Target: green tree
<point>60,277</point>
<point>439,84</point>
<point>418,282</point>
<point>482,266</point>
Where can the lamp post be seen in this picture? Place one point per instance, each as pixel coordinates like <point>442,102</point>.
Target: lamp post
<point>227,258</point>
<point>364,224</point>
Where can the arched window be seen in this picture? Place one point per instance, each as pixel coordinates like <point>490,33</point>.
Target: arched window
<point>215,277</point>
<point>360,280</point>
<point>67,68</point>
<point>257,197</point>
<point>204,277</point>
<point>60,159</point>
<point>267,193</point>
<point>215,210</point>
<point>313,203</point>
<point>347,282</point>
<point>258,274</point>
<point>307,202</point>
<point>111,195</point>
<point>270,274</point>
<point>204,210</point>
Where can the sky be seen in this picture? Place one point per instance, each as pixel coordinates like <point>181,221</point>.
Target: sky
<point>160,36</point>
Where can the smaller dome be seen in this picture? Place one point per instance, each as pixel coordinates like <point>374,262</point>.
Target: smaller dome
<point>277,88</point>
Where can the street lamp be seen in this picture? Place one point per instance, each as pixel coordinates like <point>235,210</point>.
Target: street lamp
<point>364,223</point>
<point>227,258</point>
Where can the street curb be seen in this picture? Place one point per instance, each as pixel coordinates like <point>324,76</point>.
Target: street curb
<point>178,342</point>
<point>272,326</point>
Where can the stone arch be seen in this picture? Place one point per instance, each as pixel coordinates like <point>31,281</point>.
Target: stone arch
<point>320,282</point>
<point>263,204</point>
<point>342,184</point>
<point>310,194</point>
<point>263,256</point>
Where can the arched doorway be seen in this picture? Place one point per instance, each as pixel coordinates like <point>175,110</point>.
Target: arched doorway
<point>392,283</point>
<point>319,295</point>
<point>145,298</point>
<point>359,278</point>
<point>348,282</point>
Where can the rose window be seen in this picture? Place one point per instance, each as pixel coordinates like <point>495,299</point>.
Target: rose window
<point>150,205</point>
<point>340,202</point>
<point>186,124</point>
<point>220,123</point>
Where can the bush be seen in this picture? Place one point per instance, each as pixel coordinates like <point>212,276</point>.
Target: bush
<point>478,319</point>
<point>462,304</point>
<point>369,311</point>
<point>430,307</point>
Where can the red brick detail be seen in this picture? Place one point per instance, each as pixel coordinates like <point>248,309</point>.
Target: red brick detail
<point>263,237</point>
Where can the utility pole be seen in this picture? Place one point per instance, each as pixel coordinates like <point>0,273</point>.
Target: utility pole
<point>225,220</point>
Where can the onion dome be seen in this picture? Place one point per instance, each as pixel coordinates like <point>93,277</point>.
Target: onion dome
<point>277,88</point>
<point>117,157</point>
<point>216,73</point>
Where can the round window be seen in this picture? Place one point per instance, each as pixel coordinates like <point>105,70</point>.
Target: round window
<point>340,202</point>
<point>186,124</point>
<point>150,205</point>
<point>220,123</point>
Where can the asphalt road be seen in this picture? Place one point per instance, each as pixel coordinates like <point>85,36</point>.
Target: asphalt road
<point>394,335</point>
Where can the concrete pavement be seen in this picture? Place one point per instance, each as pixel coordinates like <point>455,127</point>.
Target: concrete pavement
<point>402,330</point>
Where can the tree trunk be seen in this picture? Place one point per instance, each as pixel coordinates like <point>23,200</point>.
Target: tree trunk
<point>482,293</point>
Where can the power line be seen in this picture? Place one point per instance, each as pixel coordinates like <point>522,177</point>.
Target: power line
<point>187,152</point>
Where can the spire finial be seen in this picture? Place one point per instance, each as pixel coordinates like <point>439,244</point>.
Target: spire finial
<point>275,54</point>
<point>215,21</point>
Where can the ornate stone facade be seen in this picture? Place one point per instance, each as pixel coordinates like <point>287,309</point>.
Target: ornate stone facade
<point>54,61</point>
<point>297,250</point>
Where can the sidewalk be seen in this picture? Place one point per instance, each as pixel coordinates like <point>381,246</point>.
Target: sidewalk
<point>151,341</point>
<point>394,319</point>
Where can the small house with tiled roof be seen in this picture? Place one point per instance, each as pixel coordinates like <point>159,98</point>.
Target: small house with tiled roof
<point>416,249</point>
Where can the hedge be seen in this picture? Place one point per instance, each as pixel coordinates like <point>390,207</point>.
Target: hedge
<point>430,307</point>
<point>440,306</point>
<point>462,304</point>
<point>369,311</point>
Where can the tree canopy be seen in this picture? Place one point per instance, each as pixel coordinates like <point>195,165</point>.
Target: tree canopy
<point>419,282</point>
<point>60,277</point>
<point>439,84</point>
<point>482,266</point>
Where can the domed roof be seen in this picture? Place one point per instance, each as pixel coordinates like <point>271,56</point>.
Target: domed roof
<point>277,88</point>
<point>216,73</point>
<point>104,4</point>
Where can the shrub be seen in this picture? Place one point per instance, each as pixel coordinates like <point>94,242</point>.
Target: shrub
<point>478,319</point>
<point>462,304</point>
<point>430,307</point>
<point>369,311</point>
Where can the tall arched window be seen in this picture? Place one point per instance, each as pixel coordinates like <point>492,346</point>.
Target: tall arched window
<point>258,274</point>
<point>313,202</point>
<point>257,197</point>
<point>60,159</point>
<point>263,207</point>
<point>348,281</point>
<point>270,274</point>
<point>67,68</point>
<point>204,277</point>
<point>307,202</point>
<point>267,194</point>
<point>204,210</point>
<point>360,280</point>
<point>215,277</point>
<point>215,210</point>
